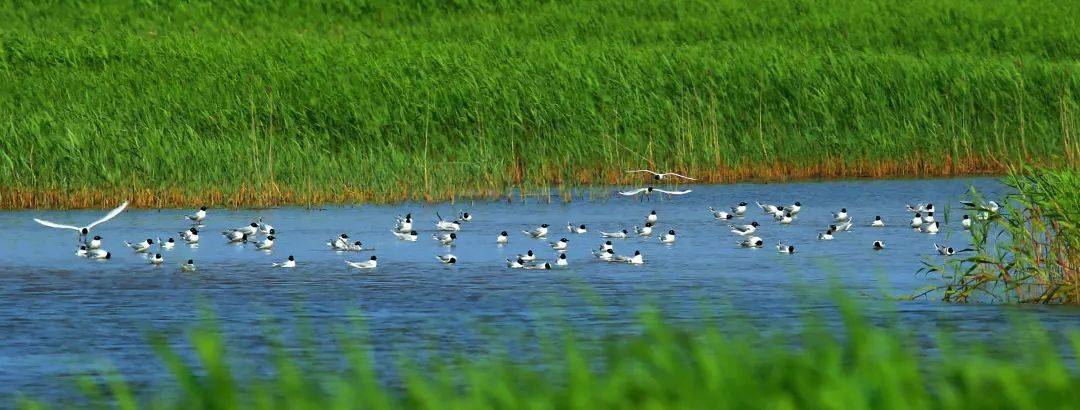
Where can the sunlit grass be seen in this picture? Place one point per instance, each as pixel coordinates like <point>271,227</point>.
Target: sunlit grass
<point>256,103</point>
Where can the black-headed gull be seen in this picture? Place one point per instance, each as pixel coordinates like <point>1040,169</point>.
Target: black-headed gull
<point>966,222</point>
<point>515,263</point>
<point>826,236</point>
<point>403,224</point>
<point>409,236</point>
<point>780,247</point>
<point>83,231</point>
<point>99,254</point>
<point>740,209</point>
<point>446,239</point>
<point>448,259</point>
<point>840,216</point>
<point>503,238</point>
<point>188,266</point>
<point>167,244</point>
<point>560,245</point>
<point>527,256</point>
<point>464,216</point>
<point>606,255</point>
<point>752,242</point>
<point>140,247</point>
<point>562,261</point>
<point>198,216</point>
<point>879,245</point>
<point>916,222</point>
<point>659,176</point>
<point>721,215</point>
<point>81,251</point>
<point>651,217</point>
<point>157,260</point>
<point>768,209</point>
<point>576,229</point>
<point>878,222</point>
<point>637,259</point>
<point>265,244</point>
<point>644,230</point>
<point>744,229</point>
<point>288,263</point>
<point>368,264</point>
<point>615,235</point>
<point>94,243</point>
<point>539,232</point>
<point>794,209</point>
<point>667,238</point>
<point>444,225</point>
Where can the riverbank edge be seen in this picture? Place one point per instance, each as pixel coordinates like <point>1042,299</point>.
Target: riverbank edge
<point>270,194</point>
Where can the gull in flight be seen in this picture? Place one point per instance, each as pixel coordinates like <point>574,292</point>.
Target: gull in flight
<point>83,231</point>
<point>661,176</point>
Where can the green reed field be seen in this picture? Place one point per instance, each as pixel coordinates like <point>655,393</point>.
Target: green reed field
<point>862,366</point>
<point>258,103</point>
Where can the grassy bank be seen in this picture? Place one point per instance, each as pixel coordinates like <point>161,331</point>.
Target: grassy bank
<point>258,103</point>
<point>862,366</point>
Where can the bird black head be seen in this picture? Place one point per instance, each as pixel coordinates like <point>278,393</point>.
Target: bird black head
<point>97,238</point>
<point>729,216</point>
<point>829,232</point>
<point>503,233</point>
<point>543,225</point>
<point>170,240</point>
<point>918,215</point>
<point>271,237</point>
<point>562,256</point>
<point>272,231</point>
<point>157,255</point>
<point>966,217</point>
<point>191,261</point>
<point>194,231</point>
<point>582,226</point>
<point>564,240</point>
<point>624,231</point>
<point>949,250</point>
<point>520,261</point>
<point>465,214</point>
<point>791,249</point>
<point>797,203</point>
<point>607,243</point>
<point>357,243</point>
<point>754,224</point>
<point>787,214</point>
<point>832,227</point>
<point>652,213</point>
<point>636,253</point>
<point>929,207</point>
<point>547,265</point>
<point>149,241</point>
<point>843,209</point>
<point>374,258</point>
<point>452,260</point>
<point>344,236</point>
<point>671,232</point>
<point>743,204</point>
<point>108,255</point>
<point>291,258</point>
<point>757,243</point>
<point>931,213</point>
<point>202,208</point>
<point>85,231</point>
<point>656,177</point>
<point>877,218</point>
<point>453,235</point>
<point>82,247</point>
<point>412,233</point>
<point>530,253</point>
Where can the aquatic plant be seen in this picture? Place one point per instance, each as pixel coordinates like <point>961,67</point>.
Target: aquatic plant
<point>860,366</point>
<point>1026,250</point>
<point>259,103</point>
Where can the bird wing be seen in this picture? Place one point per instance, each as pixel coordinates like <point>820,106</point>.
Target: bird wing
<point>681,176</point>
<point>56,225</point>
<point>673,192</point>
<point>643,170</point>
<point>112,214</point>
<point>633,192</point>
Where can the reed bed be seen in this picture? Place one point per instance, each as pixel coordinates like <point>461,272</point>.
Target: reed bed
<point>251,103</point>
<point>860,366</point>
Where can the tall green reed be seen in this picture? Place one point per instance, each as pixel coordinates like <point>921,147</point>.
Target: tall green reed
<point>241,101</point>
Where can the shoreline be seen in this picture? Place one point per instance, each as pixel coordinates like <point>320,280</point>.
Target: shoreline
<point>271,194</point>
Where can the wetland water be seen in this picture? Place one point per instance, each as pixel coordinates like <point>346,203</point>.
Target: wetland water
<point>62,315</point>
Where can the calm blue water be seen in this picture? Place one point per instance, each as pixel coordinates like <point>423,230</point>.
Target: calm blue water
<point>62,315</point>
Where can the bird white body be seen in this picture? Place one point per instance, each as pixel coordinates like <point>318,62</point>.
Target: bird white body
<point>744,229</point>
<point>288,263</point>
<point>98,254</point>
<point>157,260</point>
<point>651,217</point>
<point>667,238</point>
<point>721,215</point>
<point>503,238</point>
<point>368,264</point>
<point>188,266</point>
<point>740,209</point>
<point>234,236</point>
<point>451,226</point>
<point>515,263</point>
<point>615,235</point>
<point>446,238</point>
<point>140,247</point>
<point>561,245</point>
<point>539,266</point>
<point>606,255</point>
<point>198,216</point>
<point>265,244</point>
<point>846,226</point>
<point>605,246</point>
<point>787,219</point>
<point>929,218</point>
<point>249,230</point>
<point>81,252</point>
<point>931,228</point>
<point>780,247</point>
<point>840,216</point>
<point>167,244</point>
<point>752,242</point>
<point>540,232</point>
<point>944,250</point>
<point>340,243</point>
<point>794,209</point>
<point>562,261</point>
<point>644,230</point>
<point>768,209</point>
<point>576,229</point>
<point>527,256</point>
<point>662,175</point>
<point>636,259</point>
<point>825,236</point>
<point>966,222</point>
<point>916,222</point>
<point>409,236</point>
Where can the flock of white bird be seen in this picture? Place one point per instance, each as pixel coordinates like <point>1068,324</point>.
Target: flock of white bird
<point>262,235</point>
